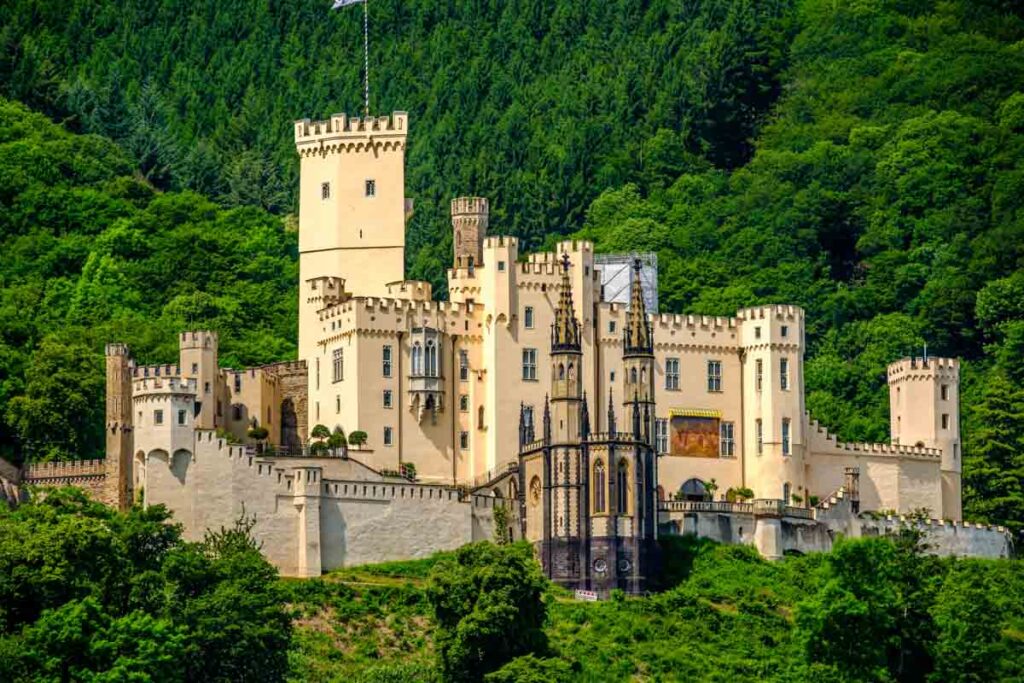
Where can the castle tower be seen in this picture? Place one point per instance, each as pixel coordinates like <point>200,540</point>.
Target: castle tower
<point>198,351</point>
<point>469,227</point>
<point>566,359</point>
<point>924,410</point>
<point>352,208</point>
<point>120,443</point>
<point>638,361</point>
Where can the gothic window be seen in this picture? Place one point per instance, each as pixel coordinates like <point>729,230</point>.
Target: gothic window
<point>338,365</point>
<point>727,443</point>
<point>785,436</point>
<point>784,374</point>
<point>622,488</point>
<point>325,190</point>
<point>528,317</point>
<point>759,433</point>
<point>632,375</point>
<point>463,366</point>
<point>431,359</point>
<point>643,375</point>
<point>530,364</point>
<point>371,188</point>
<point>561,371</point>
<point>786,493</point>
<point>714,375</point>
<point>661,434</point>
<point>758,374</point>
<point>672,374</point>
<point>600,486</point>
<point>572,372</point>
<point>528,416</point>
<point>417,359</point>
<point>386,361</point>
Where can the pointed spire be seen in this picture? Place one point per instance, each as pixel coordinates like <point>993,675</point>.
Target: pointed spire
<point>584,418</point>
<point>636,416</point>
<point>547,420</point>
<point>522,425</point>
<point>565,333</point>
<point>638,337</point>
<point>647,422</point>
<point>611,412</point>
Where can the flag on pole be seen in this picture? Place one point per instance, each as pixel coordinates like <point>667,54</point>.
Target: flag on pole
<point>338,4</point>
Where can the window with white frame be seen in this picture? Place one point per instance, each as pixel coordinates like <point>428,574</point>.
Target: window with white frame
<point>785,436</point>
<point>759,433</point>
<point>386,360</point>
<point>417,360</point>
<point>530,364</point>
<point>158,417</point>
<point>463,366</point>
<point>784,374</point>
<point>388,400</point>
<point>714,375</point>
<point>727,440</point>
<point>528,317</point>
<point>672,374</point>
<point>388,436</point>
<point>338,365</point>
<point>758,374</point>
<point>661,434</point>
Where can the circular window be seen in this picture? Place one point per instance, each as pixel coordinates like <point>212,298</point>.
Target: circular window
<point>624,565</point>
<point>600,566</point>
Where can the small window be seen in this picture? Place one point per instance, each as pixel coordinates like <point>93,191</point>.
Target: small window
<point>501,266</point>
<point>464,440</point>
<point>206,387</point>
<point>661,434</point>
<point>784,331</point>
<point>622,488</point>
<point>784,374</point>
<point>480,417</point>
<point>325,190</point>
<point>337,403</point>
<point>463,366</point>
<point>371,188</point>
<point>785,436</point>
<point>945,420</point>
<point>238,382</point>
<point>158,417</point>
<point>464,403</point>
<point>236,413</point>
<point>727,442</point>
<point>757,332</point>
<point>528,317</point>
<point>759,433</point>
<point>600,486</point>
<point>387,398</point>
<point>195,368</point>
<point>672,374</point>
<point>530,364</point>
<point>714,375</point>
<point>611,376</point>
<point>338,365</point>
<point>387,436</point>
<point>611,326</point>
<point>220,408</point>
<point>944,391</point>
<point>758,374</point>
<point>386,361</point>
<point>182,417</point>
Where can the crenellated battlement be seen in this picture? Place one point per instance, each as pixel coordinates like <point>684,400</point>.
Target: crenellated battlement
<point>197,339</point>
<point>163,386</point>
<point>693,322</point>
<point>470,206</point>
<point>769,311</point>
<point>117,349</point>
<point>68,469</point>
<point>341,126</point>
<point>165,370</point>
<point>815,427</point>
<point>501,242</point>
<point>928,368</point>
<point>416,290</point>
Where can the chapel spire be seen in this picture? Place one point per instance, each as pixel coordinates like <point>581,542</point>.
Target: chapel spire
<point>638,339</point>
<point>565,333</point>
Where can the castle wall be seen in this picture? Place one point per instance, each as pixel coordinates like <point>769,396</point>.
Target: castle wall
<point>88,475</point>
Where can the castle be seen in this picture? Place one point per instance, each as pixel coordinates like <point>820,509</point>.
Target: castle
<point>590,424</point>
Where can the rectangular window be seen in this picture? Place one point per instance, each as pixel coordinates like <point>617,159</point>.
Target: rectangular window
<point>727,442</point>
<point>182,417</point>
<point>337,404</point>
<point>463,366</point>
<point>530,364</point>
<point>528,317</point>
<point>784,374</point>
<point>945,392</point>
<point>371,188</point>
<point>325,190</point>
<point>501,266</point>
<point>387,398</point>
<point>757,332</point>
<point>386,361</point>
<point>464,440</point>
<point>338,365</point>
<point>785,436</point>
<point>195,368</point>
<point>784,331</point>
<point>158,417</point>
<point>236,413</point>
<point>464,403</point>
<point>206,387</point>
<point>714,375</point>
<point>220,408</point>
<point>759,433</point>
<point>611,376</point>
<point>672,373</point>
<point>387,436</point>
<point>661,434</point>
<point>945,420</point>
<point>611,326</point>
<point>238,383</point>
<point>758,374</point>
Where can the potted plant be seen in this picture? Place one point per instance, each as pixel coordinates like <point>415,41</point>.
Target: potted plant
<point>357,438</point>
<point>337,442</point>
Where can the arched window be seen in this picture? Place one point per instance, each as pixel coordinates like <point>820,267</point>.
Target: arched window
<point>431,359</point>
<point>643,375</point>
<point>417,359</point>
<point>572,372</point>
<point>786,493</point>
<point>632,375</point>
<point>694,489</point>
<point>600,486</point>
<point>622,487</point>
<point>561,371</point>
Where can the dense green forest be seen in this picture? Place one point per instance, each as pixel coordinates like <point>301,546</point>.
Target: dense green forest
<point>90,594</point>
<point>861,159</point>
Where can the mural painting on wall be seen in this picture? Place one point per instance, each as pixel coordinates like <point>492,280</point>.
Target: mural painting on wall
<point>696,437</point>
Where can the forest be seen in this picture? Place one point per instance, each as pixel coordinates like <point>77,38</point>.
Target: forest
<point>91,594</point>
<point>860,159</point>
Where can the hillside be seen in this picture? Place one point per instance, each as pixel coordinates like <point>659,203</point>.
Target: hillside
<point>862,160</point>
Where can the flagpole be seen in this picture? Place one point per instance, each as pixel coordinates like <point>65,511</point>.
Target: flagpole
<point>366,58</point>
